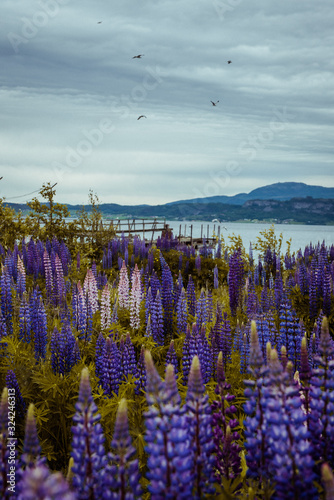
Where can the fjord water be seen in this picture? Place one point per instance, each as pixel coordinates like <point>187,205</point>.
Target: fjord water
<point>301,235</point>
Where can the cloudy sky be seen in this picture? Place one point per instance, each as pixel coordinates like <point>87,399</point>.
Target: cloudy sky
<point>71,94</point>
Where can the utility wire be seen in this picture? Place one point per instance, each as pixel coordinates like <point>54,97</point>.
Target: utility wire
<point>23,195</point>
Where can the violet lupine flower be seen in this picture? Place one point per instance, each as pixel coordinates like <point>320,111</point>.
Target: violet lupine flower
<point>305,378</point>
<point>157,325</point>
<point>25,332</point>
<point>88,453</point>
<point>40,484</point>
<point>127,358</point>
<point>135,298</point>
<point>12,383</point>
<point>291,463</point>
<point>31,455</point>
<point>99,354</point>
<point>327,478</point>
<point>313,295</point>
<point>321,398</point>
<point>215,277</point>
<point>256,443</point>
<point>227,450</point>
<point>235,280</point>
<point>105,308</point>
<point>196,343</point>
<point>201,315</point>
<point>327,293</point>
<point>141,373</point>
<point>170,458</point>
<point>191,297</point>
<point>198,263</point>
<point>252,303</point>
<point>199,419</point>
<point>167,298</point>
<point>182,313</point>
<point>38,324</point>
<point>290,332</point>
<point>148,303</point>
<point>59,288</point>
<point>171,358</point>
<point>111,374</point>
<point>4,450</point>
<point>123,287</point>
<point>122,471</point>
<point>6,299</point>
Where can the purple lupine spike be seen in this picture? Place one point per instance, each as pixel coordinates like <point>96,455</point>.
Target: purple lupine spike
<point>31,455</point>
<point>201,315</point>
<point>25,332</point>
<point>88,450</point>
<point>170,459</point>
<point>13,386</point>
<point>252,303</point>
<point>105,308</point>
<point>321,404</point>
<point>235,280</point>
<point>111,368</point>
<point>255,432</point>
<point>57,347</point>
<point>327,478</point>
<point>327,293</point>
<point>199,418</point>
<point>191,297</point>
<point>215,277</point>
<point>5,442</point>
<point>123,287</point>
<point>182,313</point>
<point>122,471</point>
<point>171,358</point>
<point>6,299</point>
<point>167,298</point>
<point>39,483</point>
<point>141,373</point>
<point>225,437</point>
<point>99,354</point>
<point>38,325</point>
<point>148,303</point>
<point>135,298</point>
<point>157,326</point>
<point>290,463</point>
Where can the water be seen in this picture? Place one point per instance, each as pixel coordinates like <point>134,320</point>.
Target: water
<point>301,235</point>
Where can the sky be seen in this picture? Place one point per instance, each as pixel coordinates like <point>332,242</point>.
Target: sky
<point>71,93</point>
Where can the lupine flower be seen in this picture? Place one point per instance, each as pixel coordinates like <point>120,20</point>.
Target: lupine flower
<point>12,383</point>
<point>191,297</point>
<point>111,374</point>
<point>90,291</point>
<point>141,373</point>
<point>6,299</point>
<point>227,450</point>
<point>123,287</point>
<point>170,459</point>
<point>135,298</point>
<point>88,471</point>
<point>235,280</point>
<point>31,455</point>
<point>105,308</point>
<point>321,398</point>
<point>201,316</point>
<point>21,277</point>
<point>171,358</point>
<point>157,326</point>
<point>122,472</point>
<point>99,355</point>
<point>167,298</point>
<point>200,427</point>
<point>25,332</point>
<point>40,484</point>
<point>182,313</point>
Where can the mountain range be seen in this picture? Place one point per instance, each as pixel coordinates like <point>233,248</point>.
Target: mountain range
<point>287,202</point>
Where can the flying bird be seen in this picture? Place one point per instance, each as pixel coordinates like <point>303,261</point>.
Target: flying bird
<point>229,62</point>
<point>214,103</point>
<point>139,56</point>
<point>99,22</point>
<point>141,116</point>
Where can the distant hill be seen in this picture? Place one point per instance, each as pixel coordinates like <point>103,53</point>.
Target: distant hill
<point>276,203</point>
<point>282,191</point>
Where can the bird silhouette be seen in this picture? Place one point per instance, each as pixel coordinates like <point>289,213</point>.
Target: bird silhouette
<point>141,116</point>
<point>214,103</point>
<point>99,22</point>
<point>229,62</point>
<point>139,56</point>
